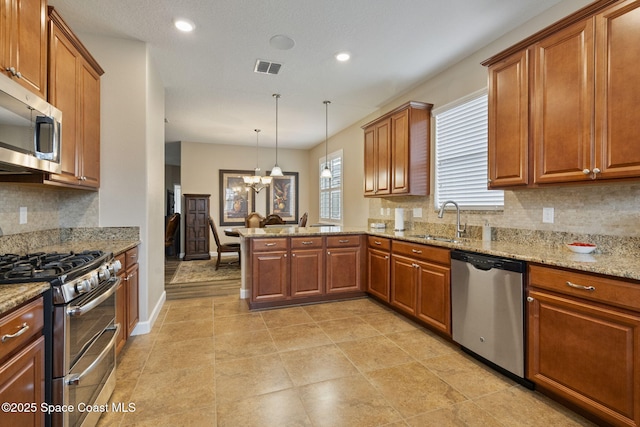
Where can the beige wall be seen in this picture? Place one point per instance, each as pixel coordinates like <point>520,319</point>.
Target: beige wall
<point>132,157</point>
<point>202,162</point>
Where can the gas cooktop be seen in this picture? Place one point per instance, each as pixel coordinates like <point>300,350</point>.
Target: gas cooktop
<point>47,267</point>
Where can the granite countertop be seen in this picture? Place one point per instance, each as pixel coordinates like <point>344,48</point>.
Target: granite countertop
<point>613,265</point>
<point>12,296</point>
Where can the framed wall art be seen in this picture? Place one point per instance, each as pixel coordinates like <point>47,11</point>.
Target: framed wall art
<point>282,197</point>
<point>236,200</point>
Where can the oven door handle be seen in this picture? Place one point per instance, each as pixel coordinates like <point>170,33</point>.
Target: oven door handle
<point>79,310</point>
<point>75,379</point>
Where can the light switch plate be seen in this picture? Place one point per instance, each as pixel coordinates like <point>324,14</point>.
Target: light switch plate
<point>23,214</point>
<point>547,215</point>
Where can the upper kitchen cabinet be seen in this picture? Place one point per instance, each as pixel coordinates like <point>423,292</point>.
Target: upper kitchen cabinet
<point>508,148</point>
<point>396,152</point>
<point>74,88</point>
<point>23,43</point>
<point>578,117</point>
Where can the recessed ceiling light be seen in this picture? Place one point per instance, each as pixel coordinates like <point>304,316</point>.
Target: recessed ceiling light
<point>343,56</point>
<point>282,42</point>
<point>184,25</point>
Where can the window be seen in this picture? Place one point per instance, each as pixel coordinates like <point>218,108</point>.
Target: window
<point>461,155</point>
<point>331,189</point>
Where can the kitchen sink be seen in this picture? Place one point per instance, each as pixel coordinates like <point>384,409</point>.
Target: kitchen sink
<point>435,238</point>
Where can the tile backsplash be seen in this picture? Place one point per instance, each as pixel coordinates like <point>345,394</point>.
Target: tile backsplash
<point>47,208</point>
<point>603,209</point>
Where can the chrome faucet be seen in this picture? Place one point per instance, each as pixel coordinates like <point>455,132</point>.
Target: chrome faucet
<point>458,229</point>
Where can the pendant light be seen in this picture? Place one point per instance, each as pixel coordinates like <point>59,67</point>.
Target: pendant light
<point>276,171</point>
<point>326,172</point>
<point>256,181</point>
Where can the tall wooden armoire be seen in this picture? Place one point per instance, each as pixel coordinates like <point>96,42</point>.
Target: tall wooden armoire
<point>196,224</point>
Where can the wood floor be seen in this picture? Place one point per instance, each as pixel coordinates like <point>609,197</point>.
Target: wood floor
<point>195,290</point>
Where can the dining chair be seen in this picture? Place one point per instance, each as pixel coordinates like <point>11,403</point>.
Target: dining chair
<point>170,232</point>
<point>303,220</point>
<point>254,220</point>
<point>223,247</point>
<point>273,219</point>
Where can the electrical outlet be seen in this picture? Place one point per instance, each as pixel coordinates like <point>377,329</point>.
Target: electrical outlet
<point>547,215</point>
<point>381,211</point>
<point>417,212</point>
<point>23,214</point>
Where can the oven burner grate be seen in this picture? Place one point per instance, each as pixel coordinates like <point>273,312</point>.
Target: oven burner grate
<point>44,266</point>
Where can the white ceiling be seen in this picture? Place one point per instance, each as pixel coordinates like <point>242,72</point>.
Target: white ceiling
<point>213,95</point>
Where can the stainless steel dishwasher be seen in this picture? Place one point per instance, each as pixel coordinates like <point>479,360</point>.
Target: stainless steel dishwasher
<point>487,305</point>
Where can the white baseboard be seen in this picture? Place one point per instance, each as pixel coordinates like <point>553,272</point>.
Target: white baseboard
<point>146,326</point>
<point>244,293</point>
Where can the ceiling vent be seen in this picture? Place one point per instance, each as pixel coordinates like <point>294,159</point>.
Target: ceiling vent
<point>267,67</point>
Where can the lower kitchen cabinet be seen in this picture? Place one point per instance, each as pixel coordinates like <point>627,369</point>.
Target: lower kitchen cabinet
<point>307,267</point>
<point>344,263</point>
<point>22,363</point>
<point>584,342</point>
<point>379,267</point>
<point>294,270</point>
<point>269,269</point>
<point>127,296</point>
<point>421,283</point>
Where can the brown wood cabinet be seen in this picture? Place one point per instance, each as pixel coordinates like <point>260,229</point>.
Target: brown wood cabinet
<point>584,341</point>
<point>22,363</point>
<point>421,283</point>
<point>196,223</point>
<point>270,269</point>
<point>396,158</point>
<point>307,266</point>
<point>344,263</point>
<point>579,85</point>
<point>508,147</point>
<point>127,296</point>
<point>379,267</point>
<point>74,88</point>
<point>291,270</point>
<point>377,158</point>
<point>23,43</point>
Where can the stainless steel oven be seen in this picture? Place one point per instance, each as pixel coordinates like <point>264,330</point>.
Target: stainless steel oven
<point>84,357</point>
<point>80,329</point>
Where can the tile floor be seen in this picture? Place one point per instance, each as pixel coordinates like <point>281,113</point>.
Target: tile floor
<point>211,362</point>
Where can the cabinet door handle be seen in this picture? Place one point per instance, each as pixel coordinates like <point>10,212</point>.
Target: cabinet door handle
<point>328,252</point>
<point>386,257</point>
<point>307,242</point>
<point>377,243</point>
<point>24,328</point>
<point>343,241</point>
<point>269,244</point>
<point>586,171</point>
<point>530,299</point>
<point>416,251</point>
<point>582,287</point>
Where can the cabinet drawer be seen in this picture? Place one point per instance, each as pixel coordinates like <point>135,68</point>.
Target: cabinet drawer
<point>262,245</point>
<point>131,256</point>
<point>306,242</point>
<point>423,252</point>
<point>343,241</point>
<point>29,319</point>
<point>379,243</point>
<point>596,288</point>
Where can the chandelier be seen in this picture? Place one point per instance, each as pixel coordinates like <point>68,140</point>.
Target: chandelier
<point>256,181</point>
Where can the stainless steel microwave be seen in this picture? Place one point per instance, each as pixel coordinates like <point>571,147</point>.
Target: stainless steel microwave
<point>30,131</point>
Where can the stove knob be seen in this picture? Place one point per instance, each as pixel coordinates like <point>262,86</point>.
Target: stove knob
<point>83,286</point>
<point>115,266</point>
<point>94,280</point>
<point>104,273</point>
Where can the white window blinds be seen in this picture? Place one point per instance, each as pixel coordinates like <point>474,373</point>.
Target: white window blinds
<point>461,155</point>
<point>331,189</point>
